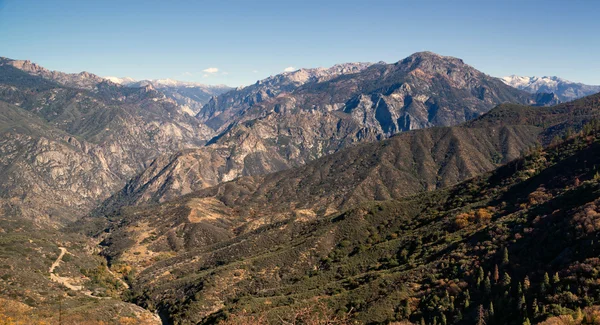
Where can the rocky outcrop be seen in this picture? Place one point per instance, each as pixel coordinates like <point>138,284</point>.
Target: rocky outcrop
<point>222,110</point>
<point>305,119</point>
<point>83,80</point>
<point>65,149</point>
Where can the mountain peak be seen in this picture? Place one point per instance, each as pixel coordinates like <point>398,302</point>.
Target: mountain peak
<point>428,55</point>
<point>565,90</point>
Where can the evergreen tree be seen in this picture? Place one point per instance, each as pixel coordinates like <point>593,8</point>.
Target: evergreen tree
<point>506,280</point>
<point>487,285</point>
<point>526,283</point>
<point>545,283</point>
<point>496,274</point>
<point>523,304</point>
<point>481,316</point>
<point>505,256</point>
<point>555,279</point>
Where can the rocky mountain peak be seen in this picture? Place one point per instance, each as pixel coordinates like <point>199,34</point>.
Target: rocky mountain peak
<point>432,62</point>
<point>564,89</point>
<point>83,80</point>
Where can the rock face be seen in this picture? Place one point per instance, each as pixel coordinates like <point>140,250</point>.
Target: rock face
<point>83,80</point>
<point>66,149</point>
<point>565,90</point>
<point>294,118</point>
<point>265,221</point>
<point>190,96</point>
<point>222,110</point>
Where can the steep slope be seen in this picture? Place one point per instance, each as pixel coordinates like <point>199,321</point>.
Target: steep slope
<point>36,264</point>
<point>83,80</point>
<point>66,149</point>
<point>406,164</point>
<point>312,119</point>
<point>222,110</point>
<point>47,175</point>
<point>565,90</point>
<point>488,242</point>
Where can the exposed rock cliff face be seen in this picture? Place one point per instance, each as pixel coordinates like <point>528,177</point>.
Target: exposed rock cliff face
<point>47,175</point>
<point>207,236</point>
<point>307,117</point>
<point>222,110</point>
<point>83,80</point>
<point>66,149</point>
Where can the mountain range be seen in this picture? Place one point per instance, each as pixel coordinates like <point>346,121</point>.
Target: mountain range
<point>364,192</point>
<point>190,96</point>
<point>565,90</point>
<point>319,118</point>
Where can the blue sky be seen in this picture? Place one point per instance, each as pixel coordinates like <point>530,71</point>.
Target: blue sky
<point>250,40</point>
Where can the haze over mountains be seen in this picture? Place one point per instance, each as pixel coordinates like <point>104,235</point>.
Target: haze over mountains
<point>565,90</point>
<point>190,96</point>
<point>210,200</point>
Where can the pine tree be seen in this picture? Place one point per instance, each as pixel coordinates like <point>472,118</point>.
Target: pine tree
<point>496,274</point>
<point>526,321</point>
<point>505,256</point>
<point>506,280</point>
<point>555,279</point>
<point>535,308</point>
<point>526,283</point>
<point>523,304</point>
<point>481,316</point>
<point>545,283</point>
<point>480,275</point>
<point>491,311</point>
<point>487,285</point>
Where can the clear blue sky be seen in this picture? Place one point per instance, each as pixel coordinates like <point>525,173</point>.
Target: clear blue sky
<point>250,40</point>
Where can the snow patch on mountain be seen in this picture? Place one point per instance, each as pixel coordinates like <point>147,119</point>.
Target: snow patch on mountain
<point>565,90</point>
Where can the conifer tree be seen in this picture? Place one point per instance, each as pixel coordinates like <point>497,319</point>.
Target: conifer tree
<point>506,280</point>
<point>505,256</point>
<point>496,274</point>
<point>545,283</point>
<point>535,308</point>
<point>487,285</point>
<point>481,316</point>
<point>555,279</point>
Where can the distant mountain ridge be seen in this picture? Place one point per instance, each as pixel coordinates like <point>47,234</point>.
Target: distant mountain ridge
<point>220,111</point>
<point>83,80</point>
<point>190,96</point>
<point>271,128</point>
<point>565,90</point>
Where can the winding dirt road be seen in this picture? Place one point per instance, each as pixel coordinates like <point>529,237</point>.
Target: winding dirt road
<point>66,281</point>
